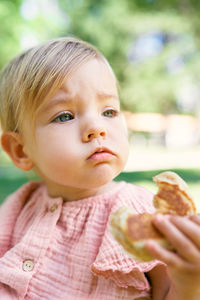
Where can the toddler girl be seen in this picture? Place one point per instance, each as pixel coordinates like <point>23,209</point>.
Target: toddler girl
<point>60,115</point>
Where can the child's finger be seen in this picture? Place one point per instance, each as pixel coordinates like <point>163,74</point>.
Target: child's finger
<point>181,243</point>
<point>189,228</point>
<point>195,218</point>
<point>168,257</point>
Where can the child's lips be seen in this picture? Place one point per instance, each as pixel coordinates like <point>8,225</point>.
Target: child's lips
<point>101,154</point>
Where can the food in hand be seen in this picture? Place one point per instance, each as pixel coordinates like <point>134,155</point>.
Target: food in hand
<point>132,230</point>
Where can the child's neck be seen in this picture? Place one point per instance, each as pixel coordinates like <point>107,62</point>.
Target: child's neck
<point>74,194</point>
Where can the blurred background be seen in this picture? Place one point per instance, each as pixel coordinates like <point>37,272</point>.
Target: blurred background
<point>153,47</point>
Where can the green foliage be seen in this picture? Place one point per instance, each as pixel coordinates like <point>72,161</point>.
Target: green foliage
<point>114,27</point>
<point>10,30</point>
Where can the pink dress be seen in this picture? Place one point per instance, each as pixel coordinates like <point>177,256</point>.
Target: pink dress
<point>51,250</point>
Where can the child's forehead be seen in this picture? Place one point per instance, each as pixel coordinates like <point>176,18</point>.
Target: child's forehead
<point>73,85</point>
<point>88,76</point>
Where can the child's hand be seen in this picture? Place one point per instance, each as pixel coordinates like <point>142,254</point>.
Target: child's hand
<point>184,262</point>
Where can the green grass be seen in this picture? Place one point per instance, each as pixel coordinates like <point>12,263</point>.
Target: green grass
<point>11,179</point>
<point>8,186</point>
<point>191,176</point>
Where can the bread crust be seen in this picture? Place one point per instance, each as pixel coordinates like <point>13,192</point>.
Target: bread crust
<point>173,196</point>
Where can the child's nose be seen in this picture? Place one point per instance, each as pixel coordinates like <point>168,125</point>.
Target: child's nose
<point>94,132</point>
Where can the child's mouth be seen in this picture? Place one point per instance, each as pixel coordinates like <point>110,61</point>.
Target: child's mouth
<point>101,154</point>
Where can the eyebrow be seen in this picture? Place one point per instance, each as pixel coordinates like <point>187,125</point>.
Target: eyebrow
<point>58,101</point>
<point>68,99</point>
<point>107,96</point>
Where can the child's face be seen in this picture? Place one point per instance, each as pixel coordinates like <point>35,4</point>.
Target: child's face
<point>80,121</point>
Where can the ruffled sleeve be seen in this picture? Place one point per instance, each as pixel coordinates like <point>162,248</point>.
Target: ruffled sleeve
<point>112,262</point>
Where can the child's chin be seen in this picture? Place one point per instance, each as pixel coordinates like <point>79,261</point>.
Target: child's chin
<point>103,179</point>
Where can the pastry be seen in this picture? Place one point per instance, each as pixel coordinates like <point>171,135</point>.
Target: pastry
<point>133,230</point>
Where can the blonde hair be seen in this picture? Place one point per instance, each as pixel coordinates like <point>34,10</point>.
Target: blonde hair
<point>31,78</point>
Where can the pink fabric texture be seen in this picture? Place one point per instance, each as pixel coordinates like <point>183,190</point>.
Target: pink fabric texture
<point>72,252</point>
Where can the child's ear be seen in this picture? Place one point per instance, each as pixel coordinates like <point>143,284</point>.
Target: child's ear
<point>13,145</point>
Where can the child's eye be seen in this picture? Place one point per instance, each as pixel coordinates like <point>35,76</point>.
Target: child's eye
<point>64,117</point>
<point>110,113</point>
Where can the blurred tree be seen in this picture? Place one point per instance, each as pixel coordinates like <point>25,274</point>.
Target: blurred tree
<point>153,46</point>
<point>170,32</point>
<point>10,29</point>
